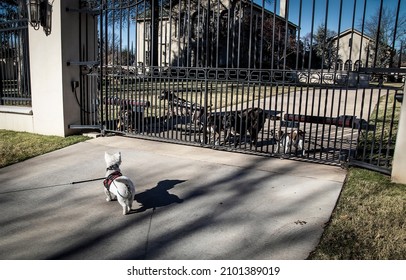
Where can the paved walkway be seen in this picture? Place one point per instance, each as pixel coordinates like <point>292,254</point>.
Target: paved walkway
<point>195,203</point>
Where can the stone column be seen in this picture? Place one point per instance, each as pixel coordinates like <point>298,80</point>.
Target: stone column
<point>53,102</point>
<point>399,159</point>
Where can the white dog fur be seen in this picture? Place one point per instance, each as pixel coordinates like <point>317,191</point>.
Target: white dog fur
<point>121,187</point>
<point>293,138</point>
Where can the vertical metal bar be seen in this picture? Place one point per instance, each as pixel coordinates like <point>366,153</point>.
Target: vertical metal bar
<point>82,83</point>
<point>378,34</point>
<point>1,72</point>
<point>377,108</point>
<point>367,130</point>
<point>101,77</point>
<point>359,129</point>
<point>309,75</point>
<point>395,33</point>
<point>287,35</point>
<point>207,64</point>
<point>239,40</point>
<point>228,34</point>
<point>218,34</point>
<point>14,84</point>
<point>251,15</point>
<point>154,33</point>
<point>357,79</point>
<point>359,132</point>
<point>362,34</point>
<point>187,34</point>
<point>347,83</point>
<point>334,79</point>
<point>382,132</point>
<point>273,37</point>
<point>298,36</point>
<point>325,42</point>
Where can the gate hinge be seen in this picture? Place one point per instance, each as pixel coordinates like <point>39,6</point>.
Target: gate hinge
<point>86,67</point>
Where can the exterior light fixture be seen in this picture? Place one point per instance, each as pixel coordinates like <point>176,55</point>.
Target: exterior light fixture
<point>46,16</point>
<point>40,14</point>
<point>33,7</point>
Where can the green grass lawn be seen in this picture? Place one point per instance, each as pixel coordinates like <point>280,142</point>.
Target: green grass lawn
<point>19,146</point>
<point>367,223</point>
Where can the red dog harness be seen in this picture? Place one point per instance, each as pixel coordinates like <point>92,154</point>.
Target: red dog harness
<point>107,182</point>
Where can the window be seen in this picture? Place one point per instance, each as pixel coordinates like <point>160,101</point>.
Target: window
<point>348,65</point>
<point>357,65</point>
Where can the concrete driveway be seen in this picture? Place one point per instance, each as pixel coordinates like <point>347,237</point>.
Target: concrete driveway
<point>195,203</point>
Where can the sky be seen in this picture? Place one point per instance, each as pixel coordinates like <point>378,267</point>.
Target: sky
<point>301,13</point>
<point>350,9</point>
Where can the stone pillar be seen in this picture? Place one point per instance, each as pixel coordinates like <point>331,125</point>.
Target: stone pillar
<point>53,103</point>
<point>399,159</point>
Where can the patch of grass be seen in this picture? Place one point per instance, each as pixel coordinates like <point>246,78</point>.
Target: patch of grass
<point>368,222</point>
<point>19,146</point>
<point>377,146</point>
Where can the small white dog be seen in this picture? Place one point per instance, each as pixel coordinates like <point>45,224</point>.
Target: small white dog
<point>293,138</point>
<point>117,186</point>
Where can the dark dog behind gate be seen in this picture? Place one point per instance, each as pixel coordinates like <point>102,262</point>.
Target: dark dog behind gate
<point>249,121</point>
<point>182,108</point>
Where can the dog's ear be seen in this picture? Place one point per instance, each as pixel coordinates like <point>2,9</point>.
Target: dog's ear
<point>117,158</point>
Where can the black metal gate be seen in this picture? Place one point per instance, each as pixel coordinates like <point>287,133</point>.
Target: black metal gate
<point>292,78</point>
<point>15,87</point>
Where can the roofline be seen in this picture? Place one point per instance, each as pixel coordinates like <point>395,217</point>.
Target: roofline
<point>349,30</point>
<point>249,2</point>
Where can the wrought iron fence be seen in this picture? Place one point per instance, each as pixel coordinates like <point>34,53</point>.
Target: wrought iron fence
<point>14,59</point>
<point>309,79</point>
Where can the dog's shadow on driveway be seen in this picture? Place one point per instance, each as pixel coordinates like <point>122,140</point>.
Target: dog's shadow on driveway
<point>158,196</point>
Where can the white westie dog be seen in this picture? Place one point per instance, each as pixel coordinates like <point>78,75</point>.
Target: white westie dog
<point>117,186</point>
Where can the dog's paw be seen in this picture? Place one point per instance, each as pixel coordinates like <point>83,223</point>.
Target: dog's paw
<point>108,199</point>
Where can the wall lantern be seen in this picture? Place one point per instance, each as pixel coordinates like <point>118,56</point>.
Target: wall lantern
<point>40,14</point>
<point>33,7</point>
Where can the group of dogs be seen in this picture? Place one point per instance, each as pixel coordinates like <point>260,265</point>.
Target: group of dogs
<point>236,125</point>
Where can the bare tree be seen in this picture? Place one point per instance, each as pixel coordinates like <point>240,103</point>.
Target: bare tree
<point>386,35</point>
<point>324,47</point>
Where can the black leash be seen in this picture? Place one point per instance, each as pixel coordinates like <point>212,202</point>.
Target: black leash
<point>57,185</point>
<point>85,181</point>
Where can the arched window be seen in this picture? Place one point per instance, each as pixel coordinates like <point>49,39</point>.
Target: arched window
<point>348,65</point>
<point>357,65</point>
